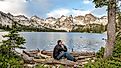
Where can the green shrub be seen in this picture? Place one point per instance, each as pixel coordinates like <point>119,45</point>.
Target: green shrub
<point>100,53</point>
<point>117,47</point>
<point>10,61</point>
<point>101,63</point>
<point>112,62</point>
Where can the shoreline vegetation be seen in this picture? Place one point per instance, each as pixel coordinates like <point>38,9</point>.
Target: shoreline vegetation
<point>92,28</point>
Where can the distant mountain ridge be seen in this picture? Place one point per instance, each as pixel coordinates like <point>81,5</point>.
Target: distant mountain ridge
<point>63,23</point>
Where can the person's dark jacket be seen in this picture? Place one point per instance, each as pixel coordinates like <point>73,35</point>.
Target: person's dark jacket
<point>58,49</point>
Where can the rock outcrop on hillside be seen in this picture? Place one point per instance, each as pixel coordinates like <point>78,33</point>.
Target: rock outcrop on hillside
<point>63,23</point>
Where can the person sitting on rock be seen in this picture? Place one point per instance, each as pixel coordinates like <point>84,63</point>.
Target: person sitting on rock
<point>60,51</point>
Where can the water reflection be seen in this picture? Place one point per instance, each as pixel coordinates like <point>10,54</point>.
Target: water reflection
<point>74,41</point>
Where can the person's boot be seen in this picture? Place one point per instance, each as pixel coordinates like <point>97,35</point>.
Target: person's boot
<point>75,59</point>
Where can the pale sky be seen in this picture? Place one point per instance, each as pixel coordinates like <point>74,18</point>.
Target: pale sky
<point>48,8</point>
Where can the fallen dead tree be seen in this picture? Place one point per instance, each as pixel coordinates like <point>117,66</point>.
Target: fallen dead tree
<point>75,54</point>
<point>56,62</point>
<point>45,57</point>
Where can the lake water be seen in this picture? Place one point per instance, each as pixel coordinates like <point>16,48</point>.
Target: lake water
<point>75,41</point>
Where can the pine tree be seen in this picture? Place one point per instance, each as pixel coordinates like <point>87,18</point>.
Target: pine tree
<point>111,7</point>
<point>8,56</point>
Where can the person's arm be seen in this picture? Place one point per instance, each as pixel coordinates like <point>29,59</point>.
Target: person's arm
<point>65,48</point>
<point>59,48</point>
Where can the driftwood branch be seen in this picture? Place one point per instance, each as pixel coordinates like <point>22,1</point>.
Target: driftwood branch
<point>46,58</point>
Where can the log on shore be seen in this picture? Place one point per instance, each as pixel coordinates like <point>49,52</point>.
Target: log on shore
<point>75,54</point>
<point>80,62</point>
<point>83,58</point>
<point>55,62</point>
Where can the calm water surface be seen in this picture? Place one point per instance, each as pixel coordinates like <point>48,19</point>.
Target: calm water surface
<point>75,41</point>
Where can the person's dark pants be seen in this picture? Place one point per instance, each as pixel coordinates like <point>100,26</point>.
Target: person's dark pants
<point>66,55</point>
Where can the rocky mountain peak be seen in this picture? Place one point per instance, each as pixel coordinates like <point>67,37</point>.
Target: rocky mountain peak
<point>51,18</point>
<point>36,18</point>
<point>79,17</point>
<point>3,14</point>
<point>90,17</point>
<point>62,16</point>
<point>20,17</point>
<point>104,17</point>
<point>62,23</point>
<point>9,14</point>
